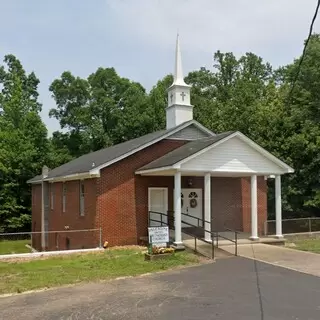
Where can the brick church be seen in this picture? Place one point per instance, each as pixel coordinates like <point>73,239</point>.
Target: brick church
<point>185,172</point>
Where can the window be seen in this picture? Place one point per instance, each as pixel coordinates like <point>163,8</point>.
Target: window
<point>52,196</point>
<point>64,196</point>
<point>33,196</point>
<point>81,198</point>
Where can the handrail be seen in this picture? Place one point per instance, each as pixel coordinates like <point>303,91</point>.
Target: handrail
<point>214,234</point>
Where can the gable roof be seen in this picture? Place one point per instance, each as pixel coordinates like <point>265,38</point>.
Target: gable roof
<point>93,162</point>
<point>192,149</point>
<point>184,152</point>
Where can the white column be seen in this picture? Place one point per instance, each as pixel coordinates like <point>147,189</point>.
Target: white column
<point>254,209</point>
<point>278,207</point>
<point>207,206</point>
<point>177,209</point>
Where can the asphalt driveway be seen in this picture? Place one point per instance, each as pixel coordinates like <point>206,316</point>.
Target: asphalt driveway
<point>231,288</point>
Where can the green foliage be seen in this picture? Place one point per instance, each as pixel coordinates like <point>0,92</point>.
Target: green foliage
<point>99,111</point>
<point>241,93</point>
<point>23,143</point>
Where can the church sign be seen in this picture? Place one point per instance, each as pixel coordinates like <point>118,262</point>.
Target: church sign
<point>158,236</point>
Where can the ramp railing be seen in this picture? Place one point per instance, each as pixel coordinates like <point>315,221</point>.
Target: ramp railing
<point>167,219</point>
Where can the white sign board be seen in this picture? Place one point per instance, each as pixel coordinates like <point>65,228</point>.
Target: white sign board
<point>158,235</point>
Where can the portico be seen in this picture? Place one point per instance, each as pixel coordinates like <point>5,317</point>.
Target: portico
<point>228,156</point>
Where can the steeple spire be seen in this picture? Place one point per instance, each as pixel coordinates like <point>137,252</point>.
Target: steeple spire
<point>179,109</point>
<point>178,73</point>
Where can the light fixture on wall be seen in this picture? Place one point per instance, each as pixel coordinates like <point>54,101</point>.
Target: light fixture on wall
<point>189,182</point>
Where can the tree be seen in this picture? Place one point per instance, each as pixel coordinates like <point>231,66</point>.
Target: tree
<point>99,111</point>
<point>158,101</point>
<point>303,115</point>
<point>23,143</point>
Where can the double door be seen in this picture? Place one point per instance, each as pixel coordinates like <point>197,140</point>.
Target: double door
<point>191,207</point>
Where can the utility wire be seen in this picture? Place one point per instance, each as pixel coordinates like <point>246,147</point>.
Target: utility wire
<point>304,50</point>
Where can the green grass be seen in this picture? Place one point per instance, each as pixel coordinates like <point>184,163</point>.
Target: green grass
<point>312,245</point>
<point>16,246</point>
<point>51,272</point>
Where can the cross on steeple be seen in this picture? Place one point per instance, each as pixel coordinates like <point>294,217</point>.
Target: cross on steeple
<point>182,94</point>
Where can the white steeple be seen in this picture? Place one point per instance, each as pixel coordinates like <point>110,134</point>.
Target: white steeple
<point>178,73</point>
<point>179,109</point>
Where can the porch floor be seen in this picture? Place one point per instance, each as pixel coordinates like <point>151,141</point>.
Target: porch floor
<point>243,238</point>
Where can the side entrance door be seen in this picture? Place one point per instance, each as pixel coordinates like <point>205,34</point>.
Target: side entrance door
<point>157,204</point>
<point>191,206</point>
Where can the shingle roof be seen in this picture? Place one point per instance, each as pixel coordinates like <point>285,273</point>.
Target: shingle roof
<point>95,159</point>
<point>185,151</point>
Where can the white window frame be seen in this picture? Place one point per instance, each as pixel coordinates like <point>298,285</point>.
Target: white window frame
<point>81,197</point>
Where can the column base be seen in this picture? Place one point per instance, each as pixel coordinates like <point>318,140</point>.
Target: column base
<point>178,246</point>
<point>208,240</point>
<point>252,238</point>
<point>279,236</point>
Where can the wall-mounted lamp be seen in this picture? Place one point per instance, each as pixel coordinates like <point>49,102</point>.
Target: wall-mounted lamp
<point>189,182</point>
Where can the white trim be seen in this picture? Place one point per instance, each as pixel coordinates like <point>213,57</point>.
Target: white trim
<point>177,208</point>
<point>265,152</point>
<point>165,196</point>
<point>76,176</point>
<point>180,127</point>
<point>207,206</point>
<point>254,208</point>
<point>203,128</point>
<point>244,138</point>
<point>278,206</point>
<point>154,170</point>
<point>200,172</point>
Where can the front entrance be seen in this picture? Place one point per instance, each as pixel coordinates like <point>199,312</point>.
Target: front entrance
<point>191,206</point>
<point>157,204</point>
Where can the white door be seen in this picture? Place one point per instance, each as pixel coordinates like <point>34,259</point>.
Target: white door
<point>191,206</point>
<point>158,203</point>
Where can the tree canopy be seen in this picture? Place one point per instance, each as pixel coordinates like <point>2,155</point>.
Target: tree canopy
<point>23,142</point>
<point>241,93</point>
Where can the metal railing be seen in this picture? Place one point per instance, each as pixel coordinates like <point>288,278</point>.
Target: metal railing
<point>168,220</point>
<point>296,225</point>
<point>215,235</point>
<point>162,218</point>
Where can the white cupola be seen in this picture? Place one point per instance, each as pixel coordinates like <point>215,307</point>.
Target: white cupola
<point>179,109</point>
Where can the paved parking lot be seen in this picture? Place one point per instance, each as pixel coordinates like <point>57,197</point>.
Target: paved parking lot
<point>231,288</point>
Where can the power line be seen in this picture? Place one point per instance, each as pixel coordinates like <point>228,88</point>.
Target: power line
<point>304,50</point>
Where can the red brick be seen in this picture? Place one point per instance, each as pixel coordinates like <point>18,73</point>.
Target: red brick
<point>117,202</point>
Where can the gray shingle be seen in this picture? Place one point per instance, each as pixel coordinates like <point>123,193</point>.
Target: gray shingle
<point>85,163</point>
<point>185,151</point>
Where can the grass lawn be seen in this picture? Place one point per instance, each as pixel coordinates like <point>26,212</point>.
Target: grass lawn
<point>312,245</point>
<point>16,246</point>
<point>55,271</point>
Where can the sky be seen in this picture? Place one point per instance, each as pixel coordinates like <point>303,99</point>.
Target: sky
<point>137,37</point>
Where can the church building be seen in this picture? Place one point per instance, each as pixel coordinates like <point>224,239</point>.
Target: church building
<point>186,172</point>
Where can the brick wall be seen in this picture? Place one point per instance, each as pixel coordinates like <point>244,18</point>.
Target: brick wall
<point>71,218</point>
<point>122,197</point>
<point>118,202</point>
<point>226,203</point>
